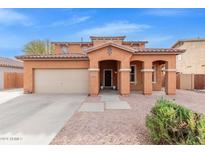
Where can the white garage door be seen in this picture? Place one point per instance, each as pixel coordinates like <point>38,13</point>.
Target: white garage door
<point>61,81</point>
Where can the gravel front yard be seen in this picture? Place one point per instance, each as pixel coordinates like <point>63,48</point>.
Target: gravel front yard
<point>120,126</point>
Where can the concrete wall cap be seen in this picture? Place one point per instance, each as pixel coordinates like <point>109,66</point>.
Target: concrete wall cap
<point>93,69</point>
<point>147,70</point>
<point>125,69</point>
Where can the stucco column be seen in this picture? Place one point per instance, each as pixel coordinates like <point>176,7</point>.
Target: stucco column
<point>94,81</point>
<point>125,82</point>
<point>125,78</point>
<point>118,76</point>
<point>94,78</point>
<point>170,86</point>
<point>28,79</point>
<point>147,78</point>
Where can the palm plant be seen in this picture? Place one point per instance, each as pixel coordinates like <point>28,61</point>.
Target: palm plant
<point>169,123</point>
<point>38,47</point>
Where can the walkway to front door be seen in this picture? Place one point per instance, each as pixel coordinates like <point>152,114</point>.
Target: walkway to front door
<point>105,101</point>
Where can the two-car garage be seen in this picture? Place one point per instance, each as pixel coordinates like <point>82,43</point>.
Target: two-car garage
<point>61,81</point>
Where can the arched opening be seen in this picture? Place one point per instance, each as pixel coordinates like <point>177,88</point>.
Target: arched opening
<point>136,76</point>
<point>109,75</point>
<point>159,75</point>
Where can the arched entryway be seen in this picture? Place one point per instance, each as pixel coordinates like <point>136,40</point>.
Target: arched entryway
<point>136,76</point>
<point>166,67</point>
<point>110,54</point>
<point>164,76</point>
<point>158,75</point>
<point>109,75</point>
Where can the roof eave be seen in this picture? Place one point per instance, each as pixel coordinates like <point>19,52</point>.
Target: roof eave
<point>155,53</point>
<point>39,59</point>
<point>176,52</point>
<point>134,42</point>
<point>108,37</point>
<point>20,67</point>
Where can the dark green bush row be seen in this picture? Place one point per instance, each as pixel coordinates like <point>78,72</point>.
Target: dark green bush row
<point>169,123</point>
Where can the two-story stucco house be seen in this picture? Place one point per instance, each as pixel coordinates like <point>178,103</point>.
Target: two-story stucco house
<point>193,60</point>
<point>103,63</point>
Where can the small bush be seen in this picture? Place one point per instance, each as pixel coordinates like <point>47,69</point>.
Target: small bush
<point>169,123</point>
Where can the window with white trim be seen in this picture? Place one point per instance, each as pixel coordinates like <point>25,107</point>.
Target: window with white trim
<point>64,49</point>
<point>84,48</point>
<point>133,74</point>
<point>154,73</point>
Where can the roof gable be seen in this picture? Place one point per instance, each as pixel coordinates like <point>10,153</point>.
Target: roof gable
<point>107,44</point>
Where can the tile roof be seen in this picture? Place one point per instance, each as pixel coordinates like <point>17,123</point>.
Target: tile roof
<point>54,56</point>
<point>137,50</point>
<point>158,50</point>
<point>84,56</point>
<point>134,42</point>
<point>107,37</point>
<point>110,43</point>
<point>87,43</point>
<point>9,62</point>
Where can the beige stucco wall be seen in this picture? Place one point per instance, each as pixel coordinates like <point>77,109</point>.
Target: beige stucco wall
<point>193,60</point>
<point>186,81</point>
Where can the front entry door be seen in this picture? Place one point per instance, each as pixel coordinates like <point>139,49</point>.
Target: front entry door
<point>107,78</point>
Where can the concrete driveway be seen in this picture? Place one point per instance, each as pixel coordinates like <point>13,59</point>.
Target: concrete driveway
<point>6,95</point>
<point>35,118</point>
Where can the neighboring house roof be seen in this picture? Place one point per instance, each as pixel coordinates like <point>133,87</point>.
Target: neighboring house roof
<point>55,56</point>
<point>188,40</point>
<point>9,62</point>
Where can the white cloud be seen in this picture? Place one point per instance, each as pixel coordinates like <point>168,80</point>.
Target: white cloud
<point>10,17</point>
<point>74,20</point>
<point>166,12</point>
<point>114,28</point>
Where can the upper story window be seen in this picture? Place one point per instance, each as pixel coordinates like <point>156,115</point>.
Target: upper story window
<point>136,46</point>
<point>133,74</point>
<point>154,73</point>
<point>64,49</point>
<point>84,48</point>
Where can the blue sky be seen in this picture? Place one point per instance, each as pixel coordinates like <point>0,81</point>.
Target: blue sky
<point>161,27</point>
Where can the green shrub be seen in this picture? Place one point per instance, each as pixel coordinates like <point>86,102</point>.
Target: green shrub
<point>169,123</point>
